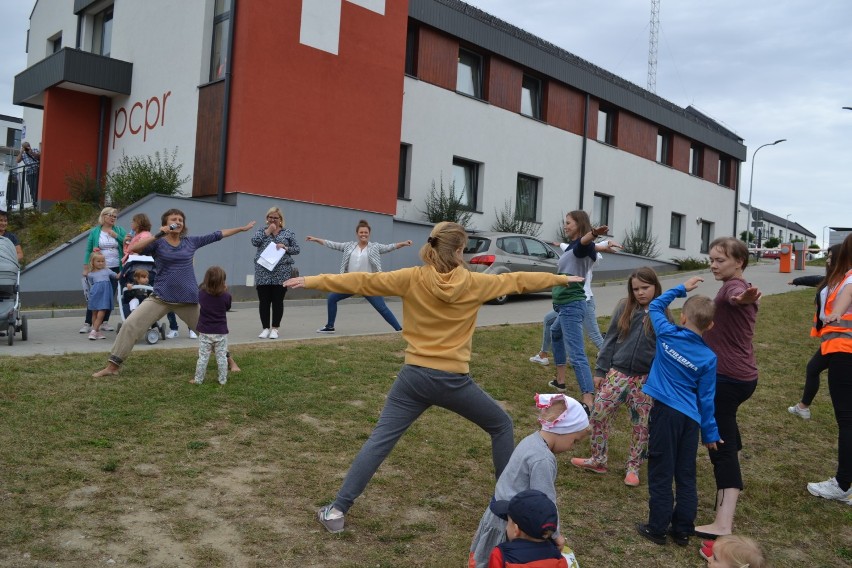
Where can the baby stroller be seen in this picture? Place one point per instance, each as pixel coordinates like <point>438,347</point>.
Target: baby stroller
<point>11,320</point>
<point>138,292</point>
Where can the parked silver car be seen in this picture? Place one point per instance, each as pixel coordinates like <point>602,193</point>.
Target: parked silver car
<point>498,253</point>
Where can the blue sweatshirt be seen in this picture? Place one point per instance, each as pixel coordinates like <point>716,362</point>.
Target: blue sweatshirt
<point>683,374</point>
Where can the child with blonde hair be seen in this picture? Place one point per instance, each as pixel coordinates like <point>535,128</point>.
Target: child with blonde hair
<point>532,466</point>
<point>214,301</point>
<point>99,280</point>
<point>734,551</point>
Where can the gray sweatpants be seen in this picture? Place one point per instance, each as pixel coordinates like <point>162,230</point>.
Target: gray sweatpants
<point>414,391</point>
<point>139,321</point>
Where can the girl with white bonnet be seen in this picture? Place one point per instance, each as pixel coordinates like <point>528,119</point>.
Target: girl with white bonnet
<point>532,466</point>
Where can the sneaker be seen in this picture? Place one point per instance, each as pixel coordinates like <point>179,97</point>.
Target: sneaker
<point>804,413</point>
<point>557,386</point>
<point>540,360</point>
<point>172,333</point>
<point>193,335</point>
<point>273,334</point>
<point>589,465</point>
<point>679,538</point>
<point>829,489</point>
<point>264,334</point>
<point>326,329</point>
<point>331,519</point>
<point>93,335</point>
<point>631,479</point>
<point>100,335</point>
<point>646,532</point>
<point>106,327</point>
<point>86,328</point>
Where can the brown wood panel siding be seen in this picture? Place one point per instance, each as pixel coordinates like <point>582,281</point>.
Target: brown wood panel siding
<point>735,173</point>
<point>503,84</point>
<point>556,105</point>
<point>710,168</point>
<point>205,175</point>
<point>680,153</point>
<point>594,107</point>
<point>576,112</point>
<point>636,136</point>
<point>437,58</point>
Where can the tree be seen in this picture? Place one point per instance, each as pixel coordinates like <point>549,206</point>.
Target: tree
<point>508,222</point>
<point>771,242</point>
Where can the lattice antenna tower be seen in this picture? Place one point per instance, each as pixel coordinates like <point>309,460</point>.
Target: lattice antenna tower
<point>652,45</point>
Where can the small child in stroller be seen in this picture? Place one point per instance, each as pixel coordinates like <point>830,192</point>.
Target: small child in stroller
<point>137,290</point>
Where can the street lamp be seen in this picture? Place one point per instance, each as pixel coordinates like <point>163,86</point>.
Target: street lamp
<point>847,108</point>
<point>824,245</point>
<point>787,227</point>
<point>751,184</point>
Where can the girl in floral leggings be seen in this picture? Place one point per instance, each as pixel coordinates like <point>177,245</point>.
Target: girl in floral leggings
<point>620,372</point>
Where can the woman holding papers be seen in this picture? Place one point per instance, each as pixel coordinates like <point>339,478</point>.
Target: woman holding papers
<point>273,262</point>
<point>359,256</point>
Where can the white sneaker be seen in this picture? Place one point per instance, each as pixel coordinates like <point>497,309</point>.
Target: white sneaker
<point>106,327</point>
<point>273,334</point>
<point>804,413</point>
<point>172,333</point>
<point>86,328</point>
<point>540,360</point>
<point>193,335</point>
<point>264,334</point>
<point>829,489</point>
<point>93,335</point>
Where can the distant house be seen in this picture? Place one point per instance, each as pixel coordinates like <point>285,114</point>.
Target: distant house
<point>766,225</point>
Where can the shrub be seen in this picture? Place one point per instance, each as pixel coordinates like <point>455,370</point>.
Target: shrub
<point>690,263</point>
<point>83,186</point>
<point>508,222</point>
<point>771,242</point>
<point>443,205</point>
<point>136,177</point>
<point>638,242</point>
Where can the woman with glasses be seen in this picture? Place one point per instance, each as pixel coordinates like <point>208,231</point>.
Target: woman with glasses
<point>268,281</point>
<point>108,238</point>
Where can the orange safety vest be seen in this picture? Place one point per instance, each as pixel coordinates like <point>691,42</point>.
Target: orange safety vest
<point>836,336</point>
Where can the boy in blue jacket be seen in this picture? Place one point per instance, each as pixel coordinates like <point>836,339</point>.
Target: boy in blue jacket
<point>682,382</point>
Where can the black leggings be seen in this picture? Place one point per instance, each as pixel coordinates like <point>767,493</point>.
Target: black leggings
<point>730,394</point>
<point>840,387</point>
<point>816,365</point>
<point>271,295</point>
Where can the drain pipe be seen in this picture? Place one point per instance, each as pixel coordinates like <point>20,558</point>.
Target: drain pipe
<point>226,104</point>
<point>583,155</point>
<point>100,163</point>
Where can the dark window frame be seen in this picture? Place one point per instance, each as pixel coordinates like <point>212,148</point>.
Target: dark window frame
<point>532,85</point>
<point>219,49</point>
<point>602,218</point>
<point>477,72</point>
<point>706,236</point>
<point>676,233</point>
<point>403,182</point>
<point>664,147</point>
<point>469,199</point>
<point>608,126</point>
<point>696,159</point>
<point>532,211</point>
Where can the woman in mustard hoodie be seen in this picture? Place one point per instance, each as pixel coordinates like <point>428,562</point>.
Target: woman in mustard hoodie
<point>440,301</point>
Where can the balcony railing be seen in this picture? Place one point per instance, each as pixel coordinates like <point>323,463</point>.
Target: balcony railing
<point>21,188</point>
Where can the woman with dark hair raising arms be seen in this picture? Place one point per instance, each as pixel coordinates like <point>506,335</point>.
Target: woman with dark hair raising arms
<point>440,301</point>
<point>175,288</point>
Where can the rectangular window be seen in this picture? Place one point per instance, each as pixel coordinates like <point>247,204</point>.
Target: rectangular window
<point>676,231</point>
<point>643,220</point>
<point>531,97</point>
<point>402,181</point>
<point>219,46</point>
<point>725,171</point>
<point>526,202</point>
<point>706,236</point>
<point>469,79</point>
<point>411,51</point>
<point>605,126</point>
<point>600,214</point>
<point>696,155</point>
<point>102,37</point>
<point>664,148</point>
<point>13,138</point>
<point>465,182</point>
<point>55,43</point>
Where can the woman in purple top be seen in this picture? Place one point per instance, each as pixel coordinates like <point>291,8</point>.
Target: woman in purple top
<point>736,373</point>
<point>175,289</point>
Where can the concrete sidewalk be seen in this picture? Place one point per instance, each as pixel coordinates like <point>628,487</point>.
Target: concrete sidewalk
<point>55,332</point>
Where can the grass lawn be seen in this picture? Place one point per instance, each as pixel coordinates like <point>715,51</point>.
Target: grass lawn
<point>147,470</point>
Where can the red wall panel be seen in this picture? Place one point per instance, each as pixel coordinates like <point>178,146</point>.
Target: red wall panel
<point>69,140</point>
<point>636,136</point>
<point>680,153</point>
<point>310,125</point>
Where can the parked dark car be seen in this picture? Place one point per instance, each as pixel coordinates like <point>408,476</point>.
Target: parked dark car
<point>498,253</point>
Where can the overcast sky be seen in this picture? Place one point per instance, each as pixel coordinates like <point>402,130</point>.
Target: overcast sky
<point>762,68</point>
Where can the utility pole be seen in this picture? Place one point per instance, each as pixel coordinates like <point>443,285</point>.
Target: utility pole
<point>652,46</point>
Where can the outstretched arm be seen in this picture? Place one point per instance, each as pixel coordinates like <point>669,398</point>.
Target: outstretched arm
<point>749,296</point>
<point>840,305</point>
<point>311,239</point>
<point>235,230</point>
